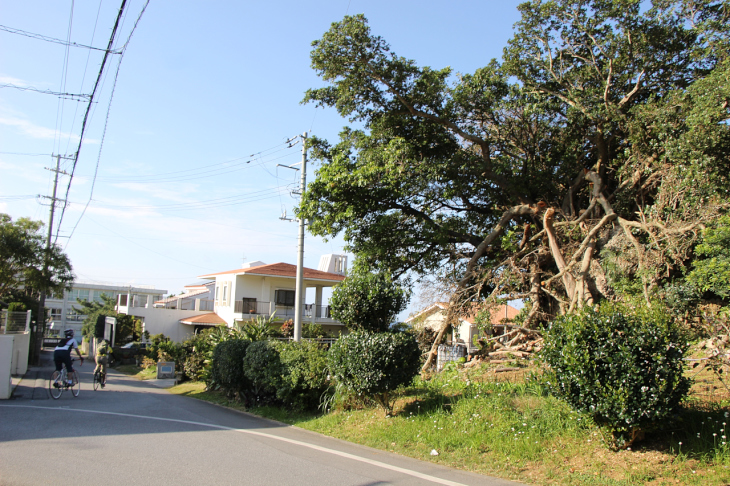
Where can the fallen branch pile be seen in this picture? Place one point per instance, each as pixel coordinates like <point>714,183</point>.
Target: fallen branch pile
<point>518,343</point>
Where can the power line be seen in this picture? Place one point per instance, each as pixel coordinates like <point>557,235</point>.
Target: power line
<point>198,172</point>
<point>106,123</point>
<point>69,96</point>
<point>88,108</point>
<point>52,39</point>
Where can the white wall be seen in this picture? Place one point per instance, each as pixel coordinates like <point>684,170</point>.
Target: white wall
<point>165,321</point>
<point>21,350</point>
<point>6,360</point>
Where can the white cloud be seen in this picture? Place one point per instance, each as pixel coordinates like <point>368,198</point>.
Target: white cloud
<point>180,193</point>
<point>31,129</point>
<point>13,81</point>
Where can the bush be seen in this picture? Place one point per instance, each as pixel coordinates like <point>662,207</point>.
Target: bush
<point>304,378</point>
<point>263,370</point>
<point>170,351</point>
<point>368,301</point>
<point>227,368</point>
<point>373,365</point>
<point>622,366</point>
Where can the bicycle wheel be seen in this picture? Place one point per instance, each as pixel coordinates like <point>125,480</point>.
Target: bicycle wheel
<point>55,379</point>
<point>76,388</point>
<point>103,380</point>
<point>97,380</point>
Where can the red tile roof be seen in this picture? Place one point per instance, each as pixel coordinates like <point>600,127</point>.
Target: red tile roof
<point>497,313</point>
<point>280,270</point>
<point>211,319</point>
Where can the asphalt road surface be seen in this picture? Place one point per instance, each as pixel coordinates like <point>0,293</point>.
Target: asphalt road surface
<point>133,433</point>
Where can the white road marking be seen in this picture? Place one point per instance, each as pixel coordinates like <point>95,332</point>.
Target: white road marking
<point>383,465</point>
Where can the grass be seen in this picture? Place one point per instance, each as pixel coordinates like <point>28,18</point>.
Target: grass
<point>504,425</point>
<point>138,372</point>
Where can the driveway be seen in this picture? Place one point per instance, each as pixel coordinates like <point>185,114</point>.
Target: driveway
<point>133,432</point>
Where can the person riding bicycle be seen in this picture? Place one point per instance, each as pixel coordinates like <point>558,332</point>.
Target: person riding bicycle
<point>103,351</point>
<point>62,354</point>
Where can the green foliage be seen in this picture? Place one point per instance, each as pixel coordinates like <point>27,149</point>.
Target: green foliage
<point>374,365</point>
<point>170,351</point>
<point>368,301</point>
<point>259,329</point>
<point>23,256</point>
<point>620,365</point>
<point>313,331</point>
<point>613,110</point>
<point>227,371</point>
<point>17,307</point>
<point>711,270</point>
<point>128,327</point>
<point>304,374</point>
<point>264,371</point>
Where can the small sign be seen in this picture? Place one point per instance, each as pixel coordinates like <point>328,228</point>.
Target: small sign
<point>165,370</point>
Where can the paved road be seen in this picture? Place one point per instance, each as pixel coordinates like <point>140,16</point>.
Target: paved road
<point>133,432</point>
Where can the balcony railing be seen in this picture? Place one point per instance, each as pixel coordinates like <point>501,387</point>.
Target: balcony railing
<point>189,304</point>
<point>257,307</point>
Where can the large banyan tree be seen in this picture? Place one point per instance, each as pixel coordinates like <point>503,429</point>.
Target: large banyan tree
<point>583,166</point>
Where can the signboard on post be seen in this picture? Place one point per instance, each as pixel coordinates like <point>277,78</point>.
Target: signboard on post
<point>165,370</point>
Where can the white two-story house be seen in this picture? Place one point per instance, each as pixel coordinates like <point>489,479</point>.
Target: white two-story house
<point>236,296</point>
<point>258,289</point>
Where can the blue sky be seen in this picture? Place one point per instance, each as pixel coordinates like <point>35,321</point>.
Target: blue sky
<point>207,94</point>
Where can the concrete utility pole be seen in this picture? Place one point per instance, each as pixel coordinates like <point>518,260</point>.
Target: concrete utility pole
<point>40,327</point>
<point>299,296</point>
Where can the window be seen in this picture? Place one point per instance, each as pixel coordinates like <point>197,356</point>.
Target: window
<point>225,292</point>
<point>78,294</point>
<point>98,294</point>
<point>56,313</point>
<point>73,314</point>
<point>285,297</point>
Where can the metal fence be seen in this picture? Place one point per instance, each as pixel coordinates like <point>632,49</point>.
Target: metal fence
<point>258,307</point>
<point>14,322</point>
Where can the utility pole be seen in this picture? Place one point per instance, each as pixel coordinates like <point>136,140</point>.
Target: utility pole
<point>299,295</point>
<point>40,327</point>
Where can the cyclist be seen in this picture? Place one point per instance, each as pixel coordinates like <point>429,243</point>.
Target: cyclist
<point>102,358</point>
<point>62,354</point>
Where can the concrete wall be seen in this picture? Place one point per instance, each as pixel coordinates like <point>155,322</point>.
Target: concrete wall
<point>21,350</point>
<point>165,321</point>
<point>6,360</point>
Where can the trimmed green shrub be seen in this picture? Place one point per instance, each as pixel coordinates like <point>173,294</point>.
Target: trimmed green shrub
<point>622,366</point>
<point>373,365</point>
<point>304,379</point>
<point>263,369</point>
<point>227,368</point>
<point>368,301</point>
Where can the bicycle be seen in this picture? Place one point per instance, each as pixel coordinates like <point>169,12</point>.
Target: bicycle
<point>99,379</point>
<point>59,382</point>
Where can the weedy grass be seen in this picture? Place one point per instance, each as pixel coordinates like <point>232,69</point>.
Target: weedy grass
<point>138,372</point>
<point>514,429</point>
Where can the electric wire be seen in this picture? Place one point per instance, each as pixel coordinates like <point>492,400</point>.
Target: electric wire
<point>199,171</point>
<point>32,35</point>
<point>88,108</point>
<point>148,249</point>
<point>191,177</point>
<point>64,77</point>
<point>106,123</point>
<point>83,77</point>
<point>60,94</point>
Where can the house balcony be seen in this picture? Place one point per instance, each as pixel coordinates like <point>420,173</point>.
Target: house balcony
<point>250,307</point>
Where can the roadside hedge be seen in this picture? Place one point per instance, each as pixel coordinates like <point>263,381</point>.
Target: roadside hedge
<point>373,365</point>
<point>621,365</point>
<point>227,369</point>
